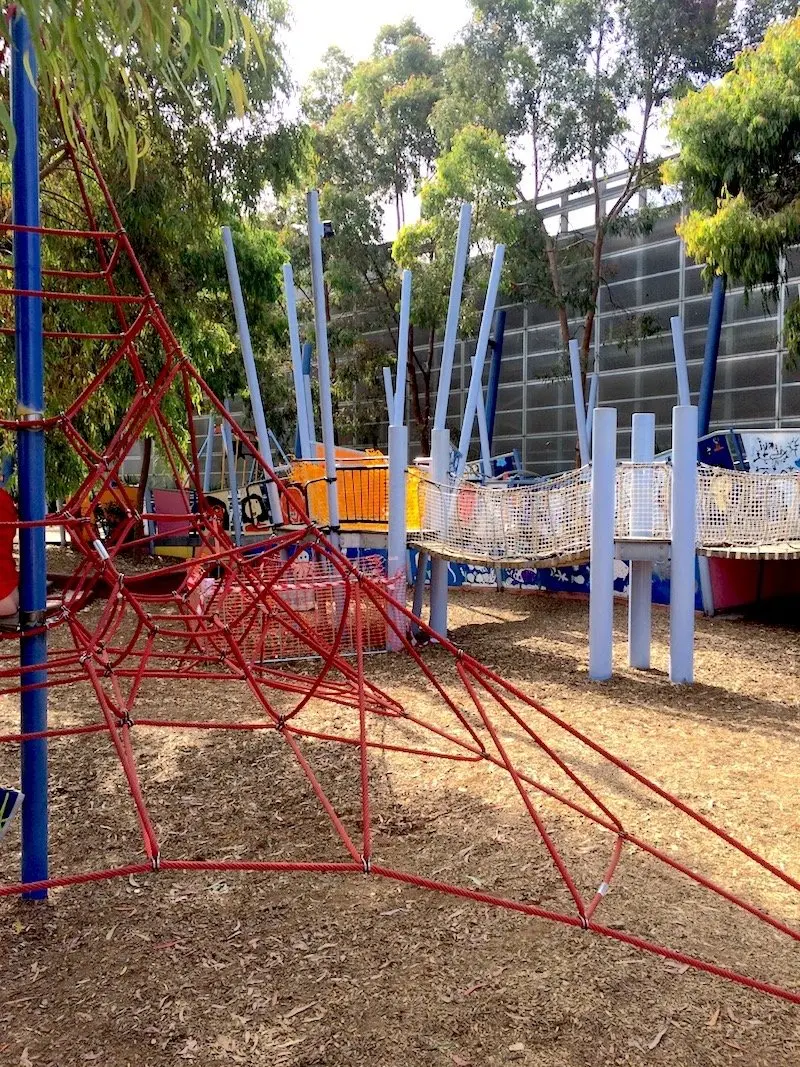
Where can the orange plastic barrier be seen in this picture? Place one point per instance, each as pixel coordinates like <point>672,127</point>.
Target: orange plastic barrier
<point>362,489</point>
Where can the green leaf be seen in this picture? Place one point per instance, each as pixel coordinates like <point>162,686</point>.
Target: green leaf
<point>252,37</point>
<point>132,154</point>
<point>8,127</point>
<point>238,92</point>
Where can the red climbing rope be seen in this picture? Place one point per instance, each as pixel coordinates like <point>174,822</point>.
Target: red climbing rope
<point>237,612</point>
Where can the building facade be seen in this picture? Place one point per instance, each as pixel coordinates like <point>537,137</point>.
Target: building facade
<point>649,279</point>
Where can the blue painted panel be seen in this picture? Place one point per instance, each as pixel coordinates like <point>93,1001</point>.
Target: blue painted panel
<point>555,580</point>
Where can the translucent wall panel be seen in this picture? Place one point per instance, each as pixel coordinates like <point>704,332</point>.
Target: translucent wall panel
<point>646,281</point>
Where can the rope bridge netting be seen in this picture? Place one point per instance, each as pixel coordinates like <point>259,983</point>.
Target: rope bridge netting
<point>549,522</point>
<point>236,613</point>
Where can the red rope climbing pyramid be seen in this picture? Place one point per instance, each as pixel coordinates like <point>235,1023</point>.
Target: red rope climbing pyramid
<point>235,613</point>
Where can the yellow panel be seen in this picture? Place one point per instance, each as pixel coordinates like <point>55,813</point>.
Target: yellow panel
<point>175,551</point>
<point>363,492</point>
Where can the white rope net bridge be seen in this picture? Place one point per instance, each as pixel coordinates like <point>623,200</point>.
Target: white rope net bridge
<point>548,523</point>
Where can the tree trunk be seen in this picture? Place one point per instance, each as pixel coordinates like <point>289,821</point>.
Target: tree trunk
<point>591,314</point>
<point>551,252</point>
<point>410,376</point>
<point>425,428</point>
<point>416,405</point>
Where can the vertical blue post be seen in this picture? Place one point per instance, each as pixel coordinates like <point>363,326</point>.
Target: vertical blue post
<point>475,393</point>
<point>681,369</point>
<point>233,480</point>
<point>683,550</point>
<point>716,313</point>
<point>151,523</point>
<point>318,296</point>
<point>302,448</point>
<point>601,564</point>
<point>312,430</point>
<point>30,448</point>
<point>388,388</point>
<point>251,374</point>
<point>209,456</point>
<point>591,404</point>
<point>494,372</point>
<point>580,409</point>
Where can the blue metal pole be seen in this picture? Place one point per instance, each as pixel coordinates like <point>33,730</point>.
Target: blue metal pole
<point>251,374</point>
<point>30,448</point>
<point>494,372</point>
<point>149,503</point>
<point>209,457</point>
<point>716,313</point>
<point>475,394</point>
<point>308,349</point>
<point>302,448</point>
<point>233,481</point>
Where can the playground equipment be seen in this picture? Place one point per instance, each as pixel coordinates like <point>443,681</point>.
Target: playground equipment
<point>137,637</point>
<point>469,517</point>
<point>307,589</point>
<point>641,512</point>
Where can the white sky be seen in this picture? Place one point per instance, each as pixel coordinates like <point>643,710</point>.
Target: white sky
<point>315,25</point>
<point>353,24</point>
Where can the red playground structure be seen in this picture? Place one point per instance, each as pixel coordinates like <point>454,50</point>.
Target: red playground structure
<point>292,620</point>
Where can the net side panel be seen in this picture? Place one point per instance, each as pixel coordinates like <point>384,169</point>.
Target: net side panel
<point>309,595</point>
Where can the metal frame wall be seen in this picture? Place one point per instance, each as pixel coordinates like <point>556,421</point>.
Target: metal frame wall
<point>649,276</point>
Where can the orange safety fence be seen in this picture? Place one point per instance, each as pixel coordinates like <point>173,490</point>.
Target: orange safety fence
<point>362,489</point>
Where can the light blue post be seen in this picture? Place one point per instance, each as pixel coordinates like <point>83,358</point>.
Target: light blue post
<point>683,549</point>
<point>440,435</point>
<point>304,441</point>
<point>475,393</point>
<point>30,448</point>
<point>398,442</point>
<point>151,523</point>
<point>453,315</point>
<point>397,414</point>
<point>591,404</point>
<point>209,456</point>
<point>388,388</point>
<point>577,394</point>
<point>681,368</point>
<point>323,362</point>
<point>483,436</point>
<point>251,373</point>
<point>640,581</point>
<point>601,563</point>
<point>308,350</point>
<point>235,508</point>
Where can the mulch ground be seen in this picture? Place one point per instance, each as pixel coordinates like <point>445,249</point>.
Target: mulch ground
<point>337,970</point>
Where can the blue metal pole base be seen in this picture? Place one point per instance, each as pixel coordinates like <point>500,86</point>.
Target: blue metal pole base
<point>30,445</point>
